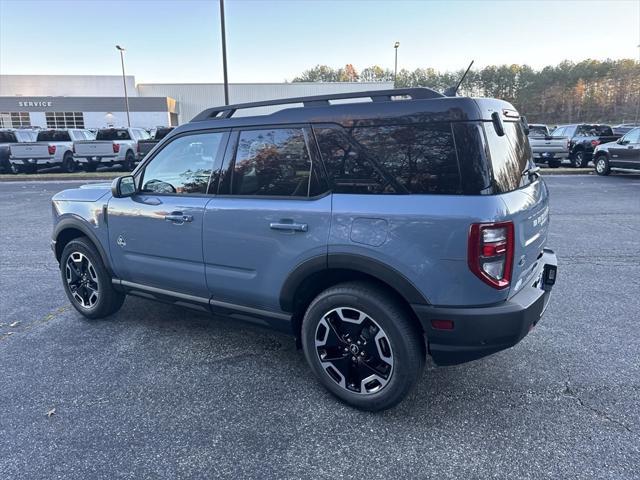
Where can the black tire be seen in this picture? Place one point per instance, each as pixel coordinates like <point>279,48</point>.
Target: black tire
<point>386,325</point>
<point>129,161</point>
<point>95,281</point>
<point>579,159</point>
<point>554,163</point>
<point>68,163</point>
<point>601,165</point>
<point>90,167</point>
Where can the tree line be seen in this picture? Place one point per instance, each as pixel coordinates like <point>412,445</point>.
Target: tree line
<point>604,91</point>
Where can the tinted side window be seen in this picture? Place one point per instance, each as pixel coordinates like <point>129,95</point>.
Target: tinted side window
<point>184,165</point>
<point>348,169</point>
<point>419,158</point>
<point>633,136</point>
<point>272,162</point>
<point>510,156</point>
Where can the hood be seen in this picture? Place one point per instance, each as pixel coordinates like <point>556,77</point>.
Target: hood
<point>86,193</point>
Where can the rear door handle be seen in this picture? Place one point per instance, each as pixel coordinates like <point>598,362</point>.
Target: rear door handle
<point>178,218</point>
<point>291,227</point>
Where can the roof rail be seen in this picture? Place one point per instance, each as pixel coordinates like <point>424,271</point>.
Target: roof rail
<point>227,111</point>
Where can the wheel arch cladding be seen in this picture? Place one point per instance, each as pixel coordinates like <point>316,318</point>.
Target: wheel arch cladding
<point>70,229</point>
<point>313,276</point>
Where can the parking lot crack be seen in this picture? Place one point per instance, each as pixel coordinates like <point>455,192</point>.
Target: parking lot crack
<point>571,393</point>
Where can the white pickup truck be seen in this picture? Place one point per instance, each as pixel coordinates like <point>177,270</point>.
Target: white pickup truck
<point>52,148</point>
<point>112,146</point>
<point>546,148</point>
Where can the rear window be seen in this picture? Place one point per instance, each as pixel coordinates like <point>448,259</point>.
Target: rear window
<point>113,134</point>
<point>7,137</point>
<point>161,133</point>
<point>593,131</point>
<point>510,156</point>
<point>537,131</point>
<point>414,158</point>
<point>54,136</point>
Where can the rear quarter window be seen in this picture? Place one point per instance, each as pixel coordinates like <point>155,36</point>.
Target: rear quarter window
<point>391,159</point>
<point>510,155</point>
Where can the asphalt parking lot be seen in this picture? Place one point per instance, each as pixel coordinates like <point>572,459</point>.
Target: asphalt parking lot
<point>161,392</point>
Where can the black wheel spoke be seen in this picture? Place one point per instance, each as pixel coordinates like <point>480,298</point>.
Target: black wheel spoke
<point>354,350</point>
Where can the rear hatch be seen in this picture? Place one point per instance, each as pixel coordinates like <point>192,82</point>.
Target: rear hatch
<point>525,196</point>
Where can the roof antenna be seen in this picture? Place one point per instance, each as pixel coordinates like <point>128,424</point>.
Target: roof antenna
<point>452,91</point>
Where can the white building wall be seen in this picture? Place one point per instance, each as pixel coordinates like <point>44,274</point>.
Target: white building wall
<point>119,119</point>
<point>66,86</point>
<point>38,119</point>
<point>194,97</point>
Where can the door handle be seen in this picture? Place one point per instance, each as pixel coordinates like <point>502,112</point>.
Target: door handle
<point>630,147</point>
<point>291,227</point>
<point>178,218</point>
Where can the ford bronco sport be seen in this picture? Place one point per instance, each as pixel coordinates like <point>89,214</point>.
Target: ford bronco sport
<point>376,231</point>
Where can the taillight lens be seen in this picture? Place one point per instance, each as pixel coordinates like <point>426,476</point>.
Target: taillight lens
<point>490,254</point>
<point>138,147</point>
<point>52,149</point>
<point>116,147</point>
<point>595,143</point>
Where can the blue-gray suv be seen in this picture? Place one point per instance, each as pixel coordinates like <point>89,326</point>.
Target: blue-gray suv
<point>376,227</point>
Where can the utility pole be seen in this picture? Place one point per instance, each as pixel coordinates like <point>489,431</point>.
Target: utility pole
<point>395,70</point>
<point>124,82</point>
<point>224,54</point>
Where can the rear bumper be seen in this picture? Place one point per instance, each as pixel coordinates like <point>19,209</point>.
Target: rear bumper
<point>95,159</point>
<point>481,331</point>
<point>34,161</point>
<point>550,155</point>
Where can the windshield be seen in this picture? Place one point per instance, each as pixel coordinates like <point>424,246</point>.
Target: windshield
<point>537,131</point>
<point>510,156</point>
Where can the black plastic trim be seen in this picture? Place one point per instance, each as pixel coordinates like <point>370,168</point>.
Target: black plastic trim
<point>79,224</point>
<point>348,261</point>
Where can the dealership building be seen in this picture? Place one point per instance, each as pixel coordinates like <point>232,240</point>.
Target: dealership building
<point>91,101</point>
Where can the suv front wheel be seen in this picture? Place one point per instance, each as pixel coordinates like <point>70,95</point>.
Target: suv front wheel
<point>362,345</point>
<point>87,282</point>
<point>602,165</point>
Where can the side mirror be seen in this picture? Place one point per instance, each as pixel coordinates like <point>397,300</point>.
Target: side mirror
<point>123,186</point>
<point>622,141</point>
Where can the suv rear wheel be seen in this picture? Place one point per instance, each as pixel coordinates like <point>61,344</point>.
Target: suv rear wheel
<point>362,345</point>
<point>87,282</point>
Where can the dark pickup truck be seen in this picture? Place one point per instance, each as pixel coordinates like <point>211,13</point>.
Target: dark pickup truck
<point>583,139</point>
<point>145,146</point>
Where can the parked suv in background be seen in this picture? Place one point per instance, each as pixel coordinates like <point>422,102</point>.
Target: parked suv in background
<point>621,155</point>
<point>52,148</point>
<point>375,232</point>
<point>583,139</point>
<point>9,136</point>
<point>112,146</point>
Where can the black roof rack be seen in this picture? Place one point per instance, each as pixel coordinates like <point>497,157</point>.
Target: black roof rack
<point>227,111</point>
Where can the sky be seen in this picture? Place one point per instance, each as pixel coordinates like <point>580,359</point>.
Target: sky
<point>178,41</point>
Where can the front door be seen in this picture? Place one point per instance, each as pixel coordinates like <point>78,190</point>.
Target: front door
<point>272,212</point>
<point>628,152</point>
<point>155,236</point>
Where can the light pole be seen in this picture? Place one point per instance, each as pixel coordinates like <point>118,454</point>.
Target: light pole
<point>224,54</point>
<point>395,70</point>
<point>124,82</point>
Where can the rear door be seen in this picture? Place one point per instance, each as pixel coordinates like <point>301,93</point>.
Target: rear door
<point>272,212</point>
<point>155,236</point>
<point>525,198</point>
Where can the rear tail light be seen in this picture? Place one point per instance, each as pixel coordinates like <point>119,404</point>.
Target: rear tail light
<point>116,147</point>
<point>595,143</point>
<point>490,254</point>
<point>52,149</point>
<point>73,148</point>
<point>138,148</point>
